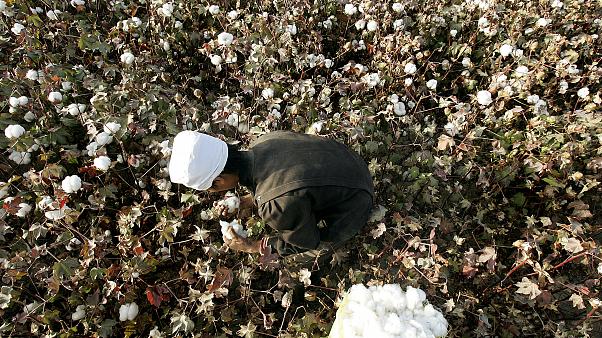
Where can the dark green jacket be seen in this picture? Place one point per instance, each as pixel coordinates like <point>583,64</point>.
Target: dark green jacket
<point>290,175</point>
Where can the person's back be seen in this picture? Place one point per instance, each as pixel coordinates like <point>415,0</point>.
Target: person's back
<point>285,161</point>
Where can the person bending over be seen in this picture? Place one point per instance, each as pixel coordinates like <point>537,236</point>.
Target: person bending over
<point>315,192</point>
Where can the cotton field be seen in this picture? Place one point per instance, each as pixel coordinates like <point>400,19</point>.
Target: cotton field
<point>480,122</point>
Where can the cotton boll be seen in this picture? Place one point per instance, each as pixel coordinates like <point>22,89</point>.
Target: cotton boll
<point>103,138</point>
<point>24,209</point>
<point>76,108</point>
<point>71,184</point>
<point>32,75</point>
<point>372,26</point>
<point>484,98</point>
<point>583,92</point>
<point>216,60</point>
<point>17,28</point>
<point>13,101</point>
<point>399,108</point>
<point>360,24</point>
<point>235,225</point>
<point>79,313</point>
<point>102,163</point>
<point>225,39</point>
<point>506,50</point>
<point>232,15</point>
<point>431,84</point>
<point>111,127</point>
<point>123,312</point>
<point>213,9</point>
<point>166,10</point>
<point>20,157</point>
<point>350,9</point>
<point>410,68</point>
<point>14,131</point>
<point>91,148</point>
<point>521,71</point>
<point>55,97</point>
<point>132,311</point>
<point>127,58</point>
<point>231,202</point>
<point>542,22</point>
<point>23,100</point>
<point>66,85</point>
<point>128,311</point>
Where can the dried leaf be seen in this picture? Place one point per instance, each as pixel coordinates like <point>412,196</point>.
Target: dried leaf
<point>223,278</point>
<point>577,301</point>
<point>269,261</point>
<point>445,142</point>
<point>378,231</point>
<point>572,245</point>
<point>526,287</point>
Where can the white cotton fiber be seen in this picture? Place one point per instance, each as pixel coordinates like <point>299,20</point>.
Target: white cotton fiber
<point>230,201</point>
<point>387,312</point>
<point>237,228</point>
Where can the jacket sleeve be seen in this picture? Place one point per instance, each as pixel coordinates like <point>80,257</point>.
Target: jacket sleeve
<point>292,216</point>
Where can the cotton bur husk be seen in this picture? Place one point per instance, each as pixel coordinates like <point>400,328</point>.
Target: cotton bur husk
<point>387,312</point>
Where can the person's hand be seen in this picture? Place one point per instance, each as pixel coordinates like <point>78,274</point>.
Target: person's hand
<point>247,202</point>
<point>240,243</point>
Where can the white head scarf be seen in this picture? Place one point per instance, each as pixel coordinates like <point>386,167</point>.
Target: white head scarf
<point>197,159</point>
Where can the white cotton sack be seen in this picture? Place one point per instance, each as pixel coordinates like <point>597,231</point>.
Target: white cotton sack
<point>128,311</point>
<point>387,311</point>
<point>237,228</point>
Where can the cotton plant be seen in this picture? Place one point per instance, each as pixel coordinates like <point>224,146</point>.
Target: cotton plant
<point>387,312</point>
